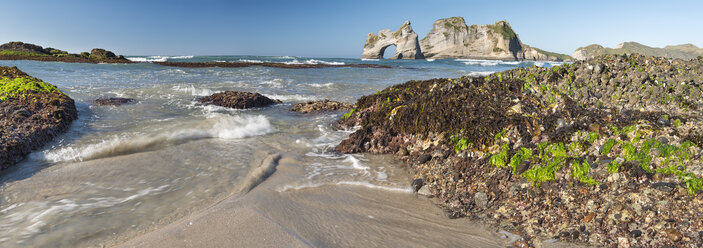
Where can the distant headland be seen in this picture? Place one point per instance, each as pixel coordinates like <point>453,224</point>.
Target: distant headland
<point>683,51</point>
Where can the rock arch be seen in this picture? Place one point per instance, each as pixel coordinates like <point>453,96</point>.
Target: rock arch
<point>405,41</point>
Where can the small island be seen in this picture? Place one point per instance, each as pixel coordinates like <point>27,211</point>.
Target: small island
<point>17,50</point>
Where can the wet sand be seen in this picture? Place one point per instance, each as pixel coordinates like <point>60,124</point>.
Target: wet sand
<point>324,216</point>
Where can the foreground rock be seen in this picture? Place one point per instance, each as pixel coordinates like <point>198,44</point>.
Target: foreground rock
<point>320,106</point>
<point>32,113</point>
<point>238,100</point>
<point>683,51</point>
<point>113,101</point>
<point>606,151</point>
<point>24,51</point>
<point>452,38</point>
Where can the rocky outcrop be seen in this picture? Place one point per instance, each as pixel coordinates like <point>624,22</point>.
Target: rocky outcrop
<point>99,53</point>
<point>238,100</point>
<point>320,106</point>
<point>452,38</point>
<point>112,101</point>
<point>24,51</point>
<point>685,51</point>
<point>570,152</point>
<point>32,113</point>
<point>405,40</point>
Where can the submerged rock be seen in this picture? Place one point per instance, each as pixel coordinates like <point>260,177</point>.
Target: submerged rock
<point>113,101</point>
<point>238,100</point>
<point>321,106</point>
<point>417,184</point>
<point>32,113</point>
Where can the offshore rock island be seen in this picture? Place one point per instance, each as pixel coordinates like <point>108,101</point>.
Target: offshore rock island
<point>17,50</point>
<point>452,38</point>
<point>602,151</point>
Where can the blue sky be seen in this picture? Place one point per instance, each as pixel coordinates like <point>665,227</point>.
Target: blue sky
<point>331,28</point>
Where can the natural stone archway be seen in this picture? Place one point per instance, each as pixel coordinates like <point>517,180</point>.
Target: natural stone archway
<point>405,41</point>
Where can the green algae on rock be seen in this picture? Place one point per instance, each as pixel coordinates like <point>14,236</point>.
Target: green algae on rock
<point>551,147</point>
<point>32,113</point>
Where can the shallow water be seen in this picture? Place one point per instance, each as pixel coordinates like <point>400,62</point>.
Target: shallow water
<point>123,171</point>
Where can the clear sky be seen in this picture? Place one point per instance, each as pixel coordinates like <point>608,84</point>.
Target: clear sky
<point>331,28</point>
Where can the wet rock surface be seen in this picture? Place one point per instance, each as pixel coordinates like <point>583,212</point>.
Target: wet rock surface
<point>238,100</point>
<point>113,101</point>
<point>603,152</point>
<point>31,118</point>
<point>320,106</point>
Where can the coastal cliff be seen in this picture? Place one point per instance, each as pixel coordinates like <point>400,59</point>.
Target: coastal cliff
<point>684,51</point>
<point>452,38</point>
<point>591,152</point>
<point>17,50</point>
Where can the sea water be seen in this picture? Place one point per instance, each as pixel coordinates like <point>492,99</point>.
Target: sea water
<point>123,171</point>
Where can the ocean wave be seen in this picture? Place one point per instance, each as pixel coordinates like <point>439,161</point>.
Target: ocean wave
<point>312,62</point>
<point>480,73</point>
<point>370,60</point>
<point>481,62</point>
<point>158,58</point>
<point>193,91</point>
<point>320,85</point>
<point>221,126</point>
<point>250,61</point>
<point>294,97</point>
<point>430,60</point>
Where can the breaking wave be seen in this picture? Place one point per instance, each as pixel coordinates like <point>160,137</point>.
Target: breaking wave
<point>158,58</point>
<point>221,126</point>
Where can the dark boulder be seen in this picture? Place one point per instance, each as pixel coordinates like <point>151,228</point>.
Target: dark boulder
<point>113,101</point>
<point>320,106</point>
<point>98,53</point>
<point>238,100</point>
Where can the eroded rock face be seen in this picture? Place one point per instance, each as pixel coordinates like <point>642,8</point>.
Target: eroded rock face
<point>238,100</point>
<point>30,119</point>
<point>405,40</point>
<point>320,106</point>
<point>452,38</point>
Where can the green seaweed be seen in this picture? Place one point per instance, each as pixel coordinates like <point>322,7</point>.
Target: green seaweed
<point>608,146</point>
<point>347,115</point>
<point>580,172</point>
<point>23,87</point>
<point>21,53</point>
<point>500,159</point>
<point>522,155</point>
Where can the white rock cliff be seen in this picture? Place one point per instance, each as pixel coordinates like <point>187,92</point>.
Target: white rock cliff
<point>405,40</point>
<point>452,38</point>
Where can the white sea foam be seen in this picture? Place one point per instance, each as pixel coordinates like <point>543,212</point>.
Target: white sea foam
<point>193,91</point>
<point>481,62</point>
<point>293,97</point>
<point>364,184</point>
<point>480,73</point>
<point>217,125</point>
<point>158,58</point>
<point>430,60</point>
<point>250,61</point>
<point>320,85</point>
<point>369,59</point>
<point>312,62</point>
